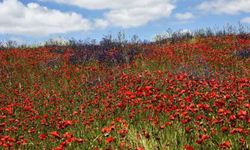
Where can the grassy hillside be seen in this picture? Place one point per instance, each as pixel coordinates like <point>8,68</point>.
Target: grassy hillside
<point>189,94</point>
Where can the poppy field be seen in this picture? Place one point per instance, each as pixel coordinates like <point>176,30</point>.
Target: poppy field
<point>189,94</point>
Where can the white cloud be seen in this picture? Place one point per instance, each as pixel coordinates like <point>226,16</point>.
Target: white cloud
<point>226,6</point>
<point>36,20</point>
<point>110,4</point>
<point>137,16</point>
<point>184,16</point>
<point>95,4</point>
<point>245,20</point>
<point>33,19</point>
<point>126,13</point>
<point>101,23</point>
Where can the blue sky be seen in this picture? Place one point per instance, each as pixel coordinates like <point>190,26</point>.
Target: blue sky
<point>34,21</point>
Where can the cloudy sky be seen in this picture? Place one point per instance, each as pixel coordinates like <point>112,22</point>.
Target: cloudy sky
<point>38,20</point>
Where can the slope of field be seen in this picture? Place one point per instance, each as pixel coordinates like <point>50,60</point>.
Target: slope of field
<point>192,94</point>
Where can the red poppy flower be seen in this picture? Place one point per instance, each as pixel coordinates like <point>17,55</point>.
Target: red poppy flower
<point>225,145</point>
<point>67,135</point>
<point>55,134</point>
<point>188,147</point>
<point>242,141</point>
<point>42,136</point>
<point>79,140</point>
<point>139,148</point>
<point>242,114</point>
<point>224,129</point>
<point>110,139</point>
<point>67,123</point>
